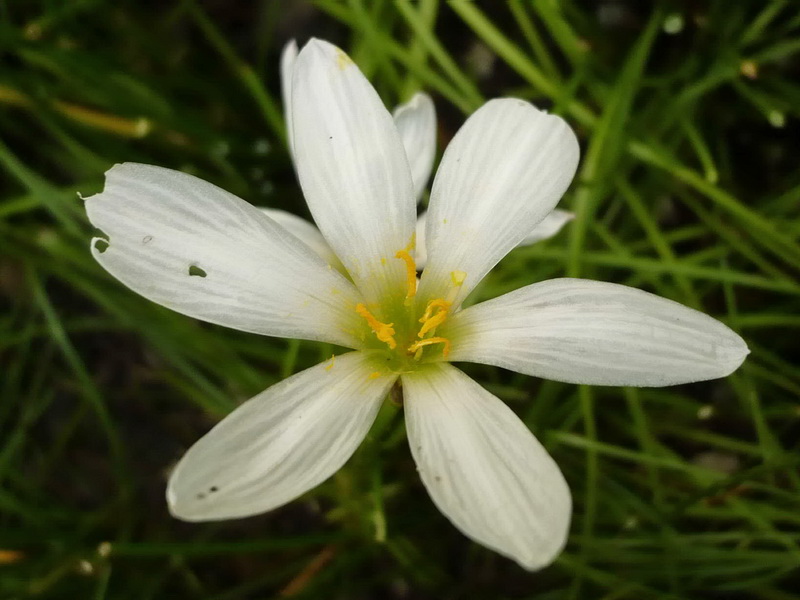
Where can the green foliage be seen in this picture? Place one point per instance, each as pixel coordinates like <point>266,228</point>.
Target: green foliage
<point>688,187</point>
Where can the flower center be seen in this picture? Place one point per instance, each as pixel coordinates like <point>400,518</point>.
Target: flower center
<point>404,334</point>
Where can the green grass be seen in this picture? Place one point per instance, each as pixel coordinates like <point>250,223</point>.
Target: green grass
<point>688,187</point>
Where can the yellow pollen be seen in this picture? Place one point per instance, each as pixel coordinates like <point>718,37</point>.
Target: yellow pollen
<point>342,60</point>
<point>418,345</point>
<point>333,361</point>
<point>374,375</point>
<point>383,331</point>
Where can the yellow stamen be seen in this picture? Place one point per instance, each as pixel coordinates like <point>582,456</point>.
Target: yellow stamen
<point>411,272</point>
<point>383,331</point>
<point>434,304</point>
<point>418,345</point>
<point>333,361</point>
<point>431,321</point>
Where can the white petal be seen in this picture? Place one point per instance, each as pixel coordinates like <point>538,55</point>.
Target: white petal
<point>279,444</point>
<point>422,247</point>
<point>598,333</point>
<point>288,58</point>
<point>502,174</point>
<point>303,231</point>
<point>416,122</point>
<point>484,469</point>
<point>550,226</point>
<point>163,225</point>
<point>352,168</point>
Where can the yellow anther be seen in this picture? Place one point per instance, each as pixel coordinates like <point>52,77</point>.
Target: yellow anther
<point>431,321</point>
<point>418,345</point>
<point>333,361</point>
<point>411,272</point>
<point>434,304</point>
<point>457,277</point>
<point>383,331</point>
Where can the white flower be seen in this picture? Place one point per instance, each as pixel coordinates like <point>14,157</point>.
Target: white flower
<point>416,123</point>
<point>193,247</point>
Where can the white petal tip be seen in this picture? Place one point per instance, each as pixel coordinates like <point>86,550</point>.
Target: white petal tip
<point>321,50</point>
<point>732,354</point>
<point>539,561</point>
<point>596,333</point>
<point>177,508</point>
<point>319,45</point>
<point>195,506</point>
<point>535,558</point>
<point>418,99</point>
<point>484,469</point>
<point>172,503</point>
<point>728,353</point>
<point>279,444</point>
<point>288,56</point>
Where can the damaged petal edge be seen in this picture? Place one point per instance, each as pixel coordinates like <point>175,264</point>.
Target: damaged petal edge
<point>100,244</point>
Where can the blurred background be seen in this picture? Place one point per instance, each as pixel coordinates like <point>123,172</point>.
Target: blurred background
<point>688,187</point>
